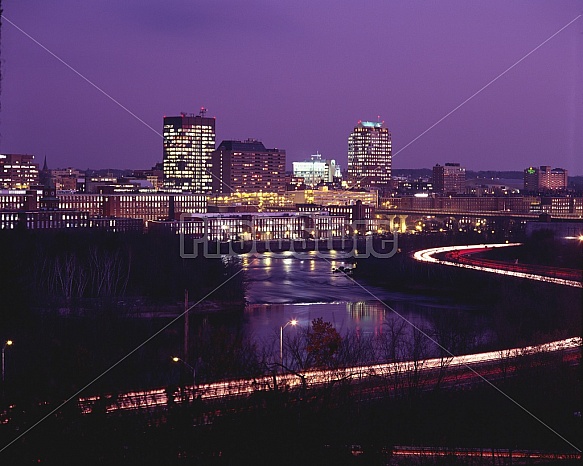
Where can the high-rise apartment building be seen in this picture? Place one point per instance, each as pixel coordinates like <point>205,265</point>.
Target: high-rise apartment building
<point>18,171</point>
<point>449,179</point>
<point>369,155</point>
<point>247,166</point>
<point>189,141</point>
<point>544,178</point>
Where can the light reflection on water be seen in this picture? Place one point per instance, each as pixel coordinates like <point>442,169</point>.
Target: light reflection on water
<point>283,288</point>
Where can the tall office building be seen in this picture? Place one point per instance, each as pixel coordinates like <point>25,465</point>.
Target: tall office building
<point>247,166</point>
<point>189,141</point>
<point>369,155</point>
<point>449,179</point>
<point>18,171</point>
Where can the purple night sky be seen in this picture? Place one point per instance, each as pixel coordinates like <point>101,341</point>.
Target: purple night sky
<point>296,75</point>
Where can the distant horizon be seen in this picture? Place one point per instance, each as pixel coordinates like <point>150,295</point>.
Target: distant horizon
<point>289,170</point>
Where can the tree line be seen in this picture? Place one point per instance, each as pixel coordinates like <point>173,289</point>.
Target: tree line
<point>83,269</point>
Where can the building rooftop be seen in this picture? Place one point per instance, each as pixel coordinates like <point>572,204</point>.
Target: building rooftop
<point>249,145</point>
<point>371,124</point>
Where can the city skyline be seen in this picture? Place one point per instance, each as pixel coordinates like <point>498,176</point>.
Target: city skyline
<point>296,78</point>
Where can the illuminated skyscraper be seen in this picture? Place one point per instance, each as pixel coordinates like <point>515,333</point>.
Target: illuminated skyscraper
<point>189,141</point>
<point>369,155</point>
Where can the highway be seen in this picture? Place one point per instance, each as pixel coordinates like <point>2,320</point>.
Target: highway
<point>160,398</point>
<point>461,256</point>
<point>497,456</point>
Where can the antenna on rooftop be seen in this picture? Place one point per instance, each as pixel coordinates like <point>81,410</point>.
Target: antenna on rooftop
<point>202,112</point>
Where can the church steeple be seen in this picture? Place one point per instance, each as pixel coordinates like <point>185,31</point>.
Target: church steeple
<point>45,174</point>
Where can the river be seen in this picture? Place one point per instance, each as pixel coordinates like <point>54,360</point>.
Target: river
<point>304,287</point>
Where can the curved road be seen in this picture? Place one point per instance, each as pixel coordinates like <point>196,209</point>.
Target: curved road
<point>461,256</point>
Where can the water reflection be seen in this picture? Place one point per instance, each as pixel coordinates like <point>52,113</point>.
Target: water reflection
<point>305,288</point>
<point>303,279</point>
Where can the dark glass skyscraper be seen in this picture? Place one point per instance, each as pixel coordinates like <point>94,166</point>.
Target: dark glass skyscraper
<point>449,179</point>
<point>247,166</point>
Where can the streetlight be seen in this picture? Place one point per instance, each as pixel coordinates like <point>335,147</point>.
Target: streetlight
<point>177,359</point>
<point>291,322</point>
<point>7,343</point>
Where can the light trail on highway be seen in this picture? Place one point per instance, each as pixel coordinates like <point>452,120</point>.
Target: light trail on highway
<point>160,397</point>
<point>428,256</point>
<point>497,455</point>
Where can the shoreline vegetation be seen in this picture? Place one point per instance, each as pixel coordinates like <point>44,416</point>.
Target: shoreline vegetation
<point>79,272</point>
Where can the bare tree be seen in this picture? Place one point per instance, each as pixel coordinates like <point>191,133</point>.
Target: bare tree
<point>417,352</point>
<point>356,349</point>
<point>392,349</point>
<point>109,271</point>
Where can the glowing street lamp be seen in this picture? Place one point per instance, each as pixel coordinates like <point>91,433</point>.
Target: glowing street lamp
<point>292,322</point>
<point>177,359</point>
<point>7,343</point>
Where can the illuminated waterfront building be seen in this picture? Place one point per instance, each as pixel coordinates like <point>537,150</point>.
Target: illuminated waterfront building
<point>369,155</point>
<point>18,199</point>
<point>247,166</point>
<point>316,223</point>
<point>189,141</point>
<point>514,204</point>
<point>47,216</point>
